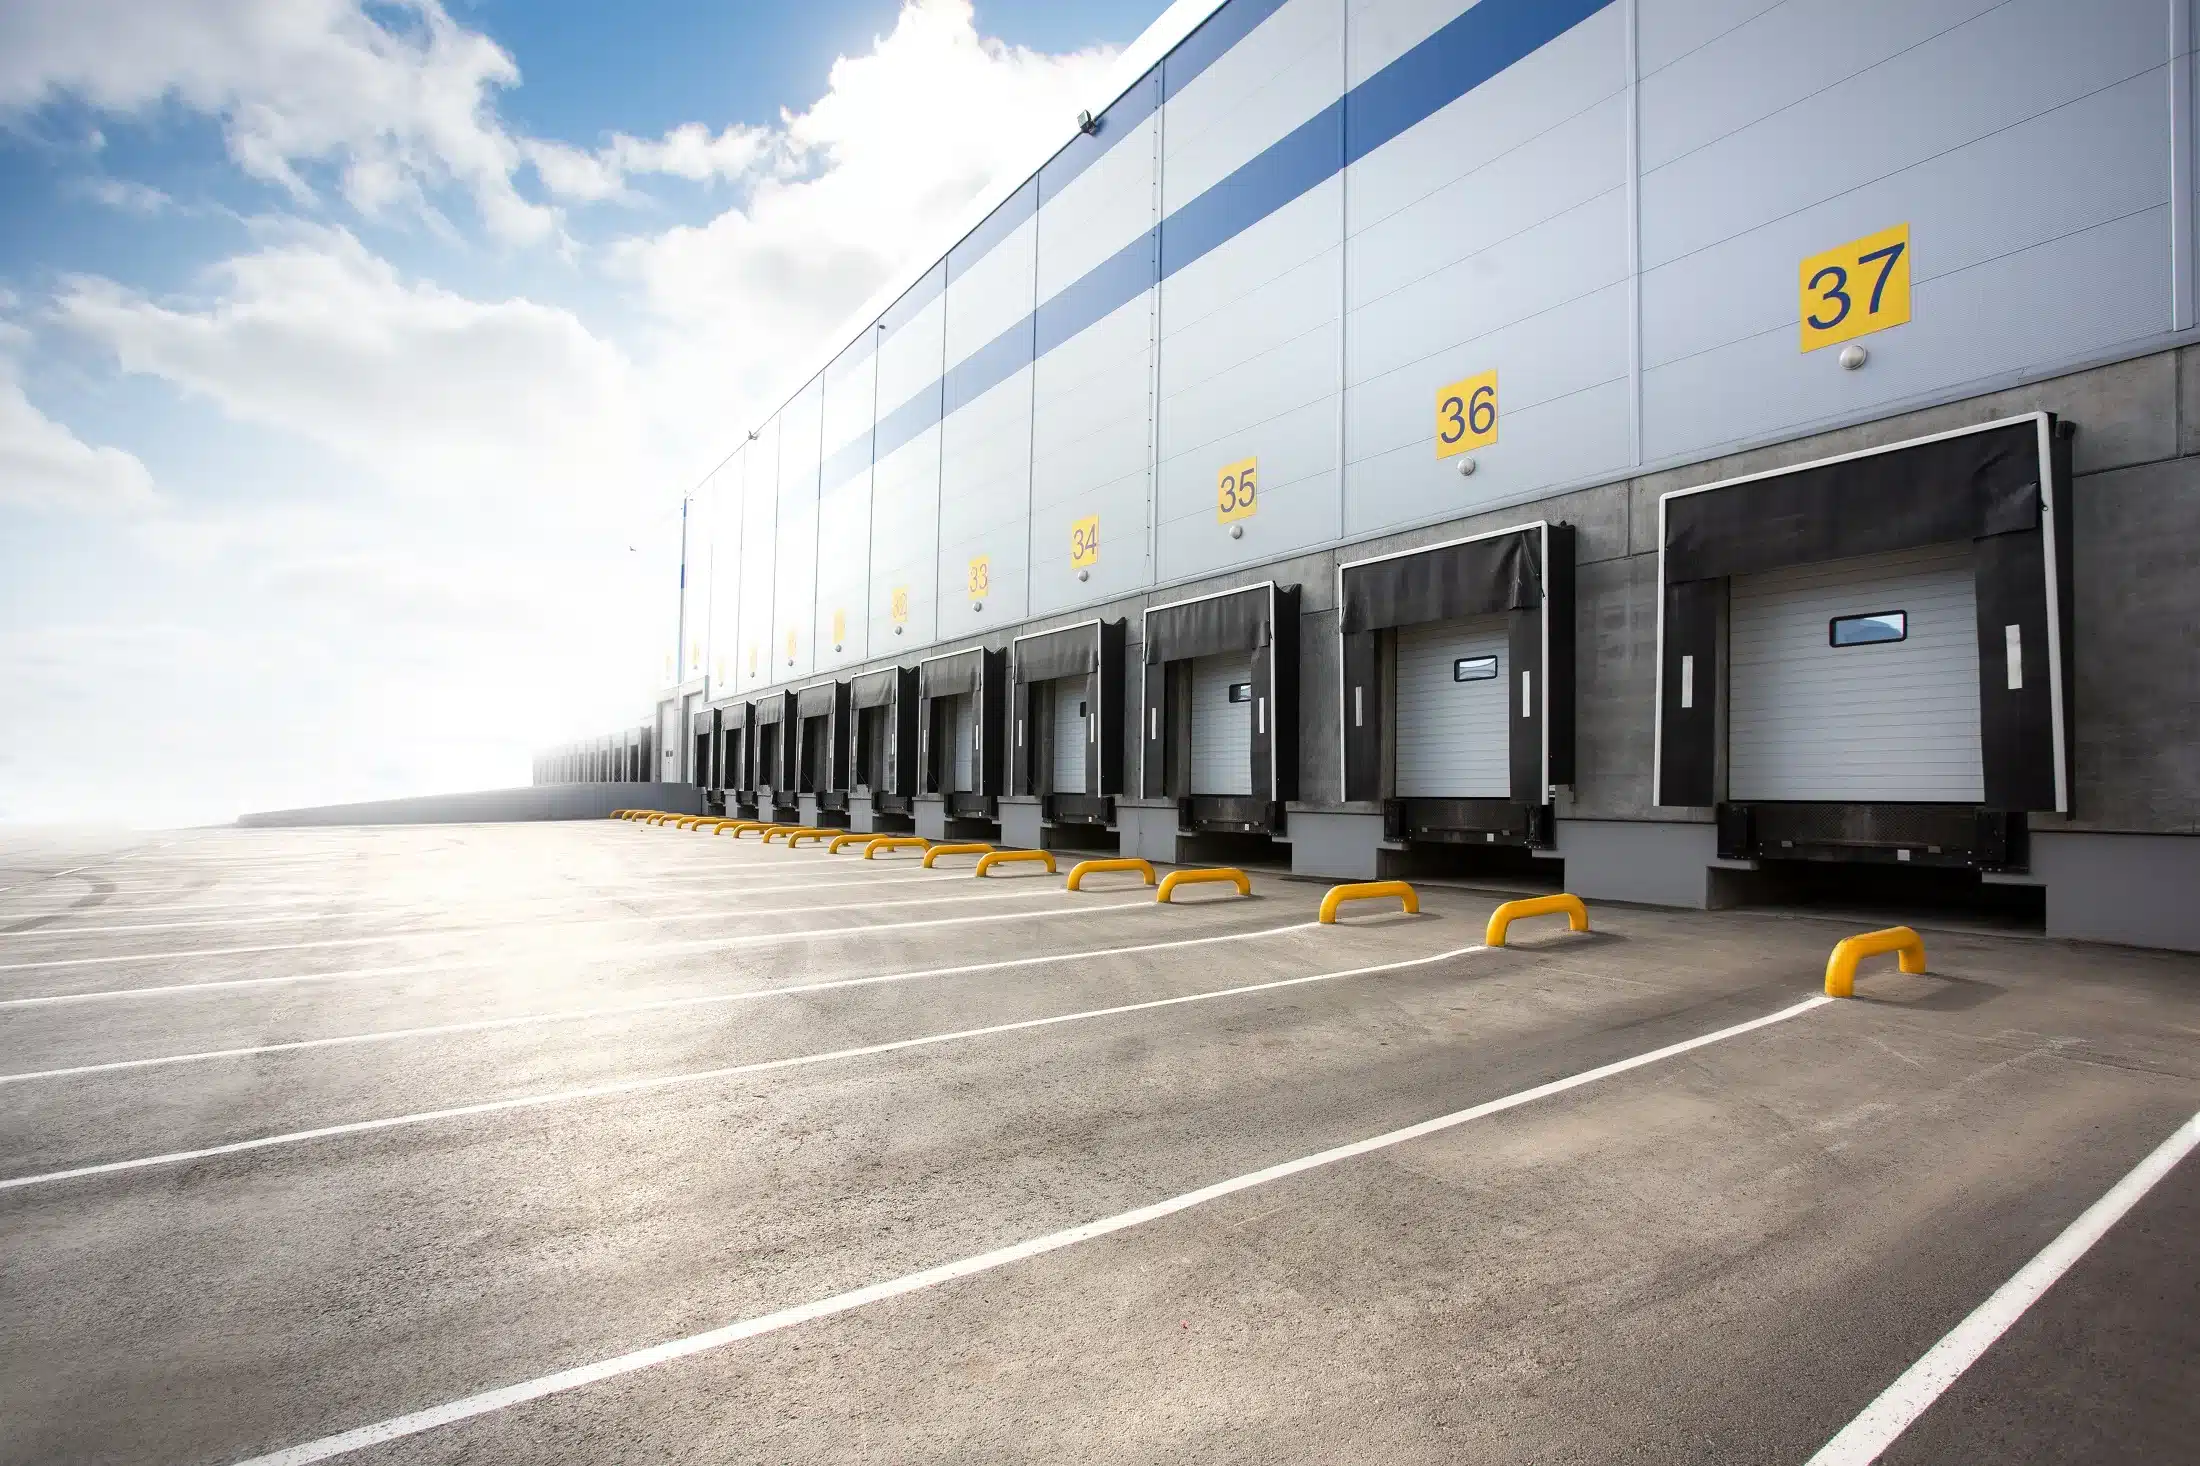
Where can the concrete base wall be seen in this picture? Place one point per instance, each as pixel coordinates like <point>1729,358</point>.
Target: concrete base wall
<point>931,817</point>
<point>2140,890</point>
<point>860,816</point>
<point>493,806</point>
<point>1338,844</point>
<point>1020,823</point>
<point>807,803</point>
<point>1655,863</point>
<point>1147,829</point>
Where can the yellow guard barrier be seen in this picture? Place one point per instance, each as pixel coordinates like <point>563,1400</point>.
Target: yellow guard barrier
<point>1367,891</point>
<point>970,848</point>
<point>1176,878</point>
<point>618,814</point>
<point>800,835</point>
<point>1083,868</point>
<point>894,842</point>
<point>842,841</point>
<point>737,826</point>
<point>1841,966</point>
<point>1577,915</point>
<point>1003,857</point>
<point>773,832</point>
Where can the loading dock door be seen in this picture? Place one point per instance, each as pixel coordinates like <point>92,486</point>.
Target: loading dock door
<point>1877,719</point>
<point>1072,731</point>
<point>1456,687</point>
<point>1222,724</point>
<point>962,722</point>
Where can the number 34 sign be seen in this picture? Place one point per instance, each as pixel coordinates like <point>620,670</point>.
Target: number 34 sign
<point>1861,287</point>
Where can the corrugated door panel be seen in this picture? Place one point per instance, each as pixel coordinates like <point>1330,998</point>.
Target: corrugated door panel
<point>1453,735</point>
<point>1071,731</point>
<point>965,723</point>
<point>1889,722</point>
<point>1222,730</point>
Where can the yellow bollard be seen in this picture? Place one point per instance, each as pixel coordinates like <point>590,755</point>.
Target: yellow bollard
<point>840,842</point>
<point>1083,868</point>
<point>1577,915</point>
<point>773,832</point>
<point>892,843</point>
<point>1367,891</point>
<point>1841,965</point>
<point>800,835</point>
<point>967,848</point>
<point>1176,878</point>
<point>1003,857</point>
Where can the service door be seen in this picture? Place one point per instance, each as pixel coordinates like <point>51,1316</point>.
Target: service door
<point>669,739</point>
<point>1454,704</point>
<point>963,720</point>
<point>1072,732</point>
<point>1856,681</point>
<point>1222,725</point>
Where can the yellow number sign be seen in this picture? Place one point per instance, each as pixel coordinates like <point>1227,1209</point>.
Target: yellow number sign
<point>840,627</point>
<point>752,659</point>
<point>980,579</point>
<point>897,605</point>
<point>1084,542</point>
<point>790,643</point>
<point>1858,288</point>
<point>1237,490</point>
<point>1466,414</point>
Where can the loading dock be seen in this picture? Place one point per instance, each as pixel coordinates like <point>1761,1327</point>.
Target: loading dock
<point>705,774</point>
<point>1865,658</point>
<point>821,740</point>
<point>1067,724</point>
<point>883,748</point>
<point>1220,708</point>
<point>962,701</point>
<point>776,756</point>
<point>1456,686</point>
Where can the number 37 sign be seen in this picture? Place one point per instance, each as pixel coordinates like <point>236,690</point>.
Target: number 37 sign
<point>1858,288</point>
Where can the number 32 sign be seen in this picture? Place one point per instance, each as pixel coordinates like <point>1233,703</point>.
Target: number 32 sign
<point>1861,287</point>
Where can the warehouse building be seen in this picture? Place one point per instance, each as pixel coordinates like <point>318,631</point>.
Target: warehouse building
<point>1696,449</point>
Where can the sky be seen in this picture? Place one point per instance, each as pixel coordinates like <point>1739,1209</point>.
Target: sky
<point>356,355</point>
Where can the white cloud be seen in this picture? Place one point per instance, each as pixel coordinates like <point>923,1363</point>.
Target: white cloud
<point>398,97</point>
<point>43,465</point>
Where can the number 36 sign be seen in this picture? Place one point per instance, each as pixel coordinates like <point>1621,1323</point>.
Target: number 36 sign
<point>1466,414</point>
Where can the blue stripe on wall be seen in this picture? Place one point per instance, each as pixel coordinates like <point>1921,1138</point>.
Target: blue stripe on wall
<point>1466,52</point>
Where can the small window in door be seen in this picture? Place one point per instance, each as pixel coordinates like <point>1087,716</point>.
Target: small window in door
<point>1474,669</point>
<point>1870,629</point>
<point>1241,692</point>
<point>1080,709</point>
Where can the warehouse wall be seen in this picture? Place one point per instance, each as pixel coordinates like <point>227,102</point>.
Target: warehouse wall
<point>1286,240</point>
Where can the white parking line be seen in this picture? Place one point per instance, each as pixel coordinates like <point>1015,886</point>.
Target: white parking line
<point>301,917</point>
<point>1865,1438</point>
<point>660,1005</point>
<point>702,1076</point>
<point>616,954</point>
<point>488,1402</point>
<point>117,959</point>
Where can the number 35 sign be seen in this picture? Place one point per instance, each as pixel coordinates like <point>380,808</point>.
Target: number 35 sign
<point>1861,287</point>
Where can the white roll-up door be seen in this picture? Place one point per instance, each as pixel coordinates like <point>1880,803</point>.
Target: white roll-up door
<point>1222,730</point>
<point>964,721</point>
<point>1456,690</point>
<point>1072,725</point>
<point>1877,721</point>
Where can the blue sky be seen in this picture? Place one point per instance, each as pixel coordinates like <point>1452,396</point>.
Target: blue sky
<point>354,354</point>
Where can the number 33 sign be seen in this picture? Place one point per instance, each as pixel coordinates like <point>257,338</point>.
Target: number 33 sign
<point>1861,287</point>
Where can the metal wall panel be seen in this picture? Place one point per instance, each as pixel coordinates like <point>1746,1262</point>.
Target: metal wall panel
<point>1092,391</point>
<point>794,571</point>
<point>905,484</point>
<point>844,506</point>
<point>695,586</point>
<point>1895,721</point>
<point>722,642</point>
<point>2022,144</point>
<point>759,542</point>
<point>1491,236</point>
<point>1222,730</point>
<point>1072,732</point>
<point>1453,738</point>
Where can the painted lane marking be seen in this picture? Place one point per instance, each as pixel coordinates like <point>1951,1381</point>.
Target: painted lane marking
<point>698,1076</point>
<point>322,943</point>
<point>1863,1439</point>
<point>79,931</point>
<point>566,1015</point>
<point>489,1402</point>
<point>706,944</point>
